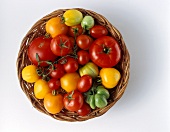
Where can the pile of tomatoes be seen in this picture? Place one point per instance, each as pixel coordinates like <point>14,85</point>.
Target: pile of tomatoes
<point>77,56</point>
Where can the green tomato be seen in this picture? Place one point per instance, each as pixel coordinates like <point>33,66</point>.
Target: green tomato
<point>92,101</point>
<point>87,22</point>
<point>89,69</point>
<point>103,91</point>
<point>100,100</point>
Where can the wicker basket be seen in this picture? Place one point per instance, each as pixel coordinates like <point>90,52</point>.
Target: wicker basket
<point>38,29</point>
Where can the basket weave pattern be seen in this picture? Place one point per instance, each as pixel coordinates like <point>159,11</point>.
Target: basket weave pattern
<point>38,29</point>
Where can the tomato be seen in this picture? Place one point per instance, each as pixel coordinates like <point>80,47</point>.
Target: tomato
<point>87,22</point>
<point>98,31</point>
<point>29,74</point>
<point>72,17</point>
<point>75,31</point>
<point>71,65</point>
<point>109,77</point>
<point>40,46</point>
<point>83,57</point>
<point>54,84</point>
<point>73,101</point>
<point>84,83</point>
<point>69,81</point>
<point>84,41</point>
<point>58,71</point>
<point>53,103</point>
<point>105,52</point>
<point>61,45</point>
<point>55,27</point>
<point>41,88</point>
<point>84,110</point>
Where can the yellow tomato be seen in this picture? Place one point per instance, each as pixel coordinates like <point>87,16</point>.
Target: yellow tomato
<point>54,27</point>
<point>41,88</point>
<point>53,103</point>
<point>69,81</point>
<point>110,77</point>
<point>29,74</point>
<point>72,17</point>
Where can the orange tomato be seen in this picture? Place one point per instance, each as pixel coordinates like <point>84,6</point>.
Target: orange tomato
<point>54,27</point>
<point>53,103</point>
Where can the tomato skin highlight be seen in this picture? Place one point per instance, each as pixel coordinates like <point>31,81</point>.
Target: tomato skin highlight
<point>71,65</point>
<point>98,31</point>
<point>105,52</point>
<point>54,84</point>
<point>84,41</point>
<point>40,46</point>
<point>58,71</point>
<point>83,57</point>
<point>84,110</point>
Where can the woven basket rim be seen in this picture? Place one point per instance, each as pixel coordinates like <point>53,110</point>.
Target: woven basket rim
<point>37,30</point>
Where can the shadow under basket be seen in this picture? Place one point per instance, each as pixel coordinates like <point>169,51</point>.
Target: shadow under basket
<point>38,29</point>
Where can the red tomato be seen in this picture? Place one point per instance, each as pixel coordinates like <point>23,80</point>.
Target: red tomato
<point>75,31</point>
<point>54,84</point>
<point>84,41</point>
<point>98,31</point>
<point>73,101</point>
<point>105,52</point>
<point>41,46</point>
<point>84,110</point>
<point>58,71</point>
<point>84,83</point>
<point>83,57</point>
<point>71,65</point>
<point>61,45</point>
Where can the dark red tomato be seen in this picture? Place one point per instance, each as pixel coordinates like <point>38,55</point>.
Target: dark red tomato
<point>41,46</point>
<point>75,31</point>
<point>73,101</point>
<point>83,57</point>
<point>98,31</point>
<point>61,45</point>
<point>84,41</point>
<point>71,65</point>
<point>54,84</point>
<point>84,83</point>
<point>105,52</point>
<point>58,71</point>
<point>84,110</point>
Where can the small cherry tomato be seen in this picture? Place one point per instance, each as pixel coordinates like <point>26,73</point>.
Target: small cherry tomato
<point>83,57</point>
<point>84,41</point>
<point>75,31</point>
<point>84,83</point>
<point>54,84</point>
<point>84,110</point>
<point>53,103</point>
<point>61,45</point>
<point>98,31</point>
<point>58,71</point>
<point>73,100</point>
<point>71,65</point>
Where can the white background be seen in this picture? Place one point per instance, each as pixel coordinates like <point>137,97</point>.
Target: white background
<point>145,105</point>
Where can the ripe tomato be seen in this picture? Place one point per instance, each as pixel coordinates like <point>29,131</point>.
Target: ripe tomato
<point>84,41</point>
<point>73,101</point>
<point>54,84</point>
<point>41,88</point>
<point>61,45</point>
<point>29,74</point>
<point>98,31</point>
<point>53,103</point>
<point>72,17</point>
<point>58,71</point>
<point>54,27</point>
<point>105,52</point>
<point>69,81</point>
<point>71,65</point>
<point>84,83</point>
<point>83,57</point>
<point>75,31</point>
<point>84,110</point>
<point>40,46</point>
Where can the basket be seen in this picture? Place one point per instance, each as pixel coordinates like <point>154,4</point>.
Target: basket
<point>38,29</point>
